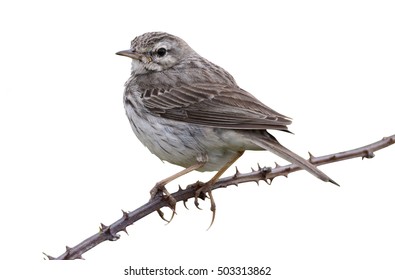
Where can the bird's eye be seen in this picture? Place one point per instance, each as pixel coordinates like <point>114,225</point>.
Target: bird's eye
<point>161,52</point>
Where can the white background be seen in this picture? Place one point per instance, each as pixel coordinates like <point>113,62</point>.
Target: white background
<point>69,159</point>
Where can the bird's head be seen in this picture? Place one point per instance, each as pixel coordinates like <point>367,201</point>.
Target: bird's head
<point>156,51</point>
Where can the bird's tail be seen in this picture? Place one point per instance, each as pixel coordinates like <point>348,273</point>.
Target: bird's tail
<point>268,142</point>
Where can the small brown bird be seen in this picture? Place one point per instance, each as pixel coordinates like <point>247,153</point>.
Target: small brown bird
<point>190,112</point>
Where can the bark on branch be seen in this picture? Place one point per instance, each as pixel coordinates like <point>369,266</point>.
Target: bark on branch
<point>266,174</point>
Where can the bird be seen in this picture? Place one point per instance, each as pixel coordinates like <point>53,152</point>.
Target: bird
<point>190,112</point>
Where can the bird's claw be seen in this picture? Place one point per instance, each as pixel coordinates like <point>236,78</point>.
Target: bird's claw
<point>201,191</point>
<point>161,191</point>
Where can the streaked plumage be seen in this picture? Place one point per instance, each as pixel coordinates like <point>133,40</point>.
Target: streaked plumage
<point>185,108</point>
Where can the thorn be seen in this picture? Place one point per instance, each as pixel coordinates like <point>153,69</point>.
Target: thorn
<point>252,169</point>
<point>125,231</point>
<point>277,165</point>
<point>257,182</point>
<point>103,227</point>
<point>236,174</point>
<point>68,249</point>
<point>125,215</point>
<point>265,180</point>
<point>49,257</point>
<point>311,157</point>
<point>79,257</point>
<point>179,188</point>
<point>270,181</point>
<point>259,167</point>
<point>333,182</point>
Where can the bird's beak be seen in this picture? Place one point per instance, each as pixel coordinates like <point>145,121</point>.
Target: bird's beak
<point>135,55</point>
<point>130,53</point>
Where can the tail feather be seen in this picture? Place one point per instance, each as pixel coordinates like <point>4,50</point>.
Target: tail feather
<point>268,142</point>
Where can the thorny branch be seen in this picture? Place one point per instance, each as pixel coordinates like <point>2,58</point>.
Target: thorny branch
<point>266,174</point>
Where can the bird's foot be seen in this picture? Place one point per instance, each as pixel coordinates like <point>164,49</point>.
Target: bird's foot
<point>160,191</point>
<point>201,190</point>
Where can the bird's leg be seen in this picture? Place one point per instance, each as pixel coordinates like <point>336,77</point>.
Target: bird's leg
<point>160,187</point>
<point>207,186</point>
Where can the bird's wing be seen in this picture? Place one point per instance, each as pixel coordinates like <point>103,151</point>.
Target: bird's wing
<point>213,105</point>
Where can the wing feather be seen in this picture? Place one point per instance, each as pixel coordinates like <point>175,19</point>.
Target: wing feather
<point>213,105</point>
